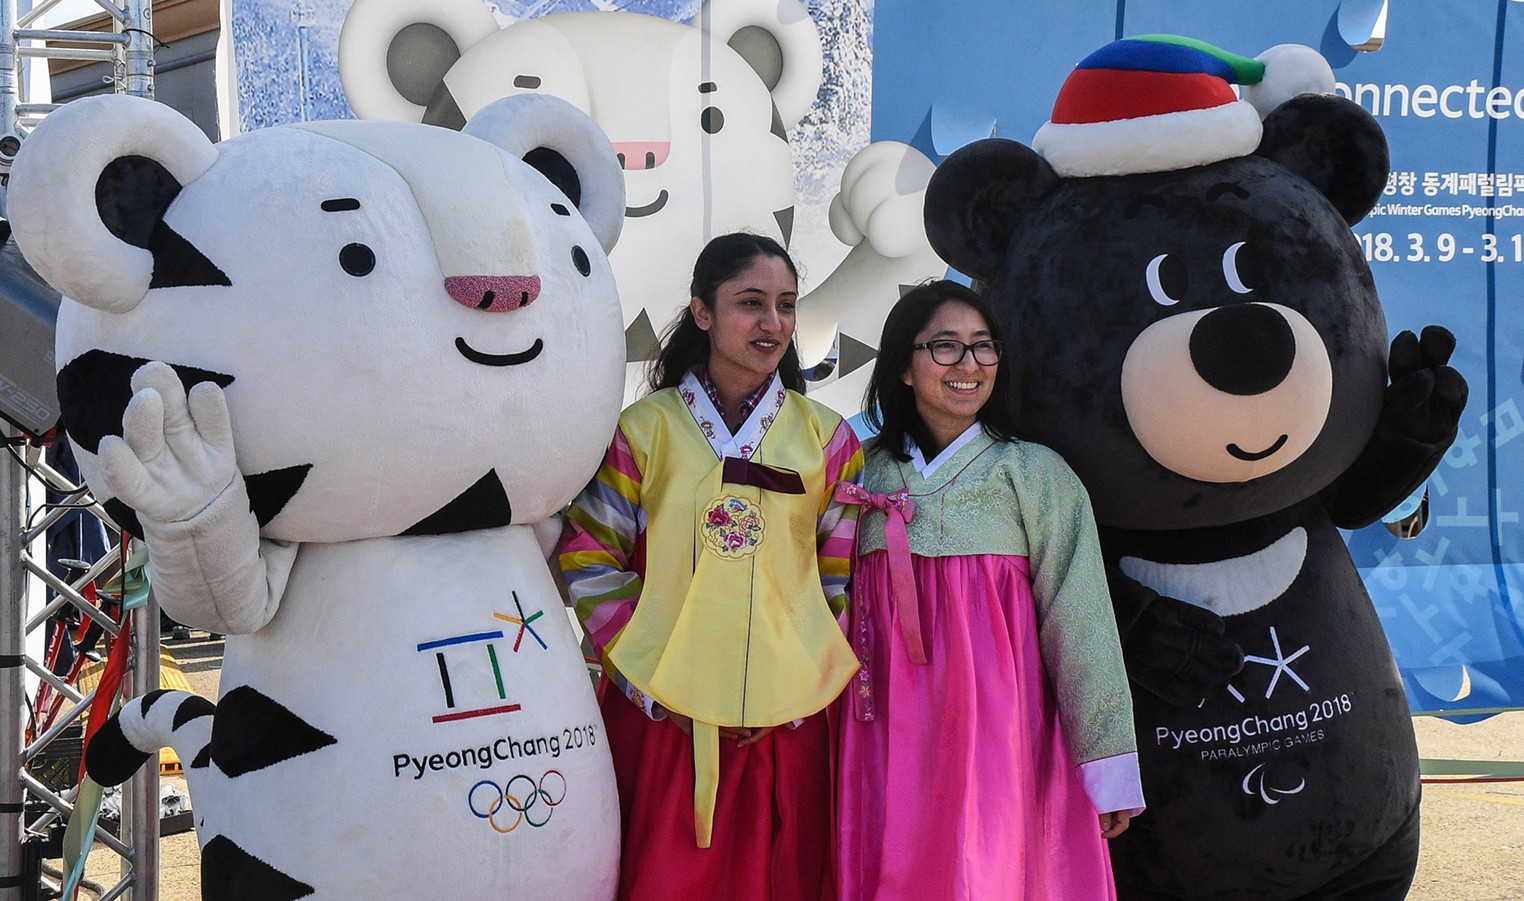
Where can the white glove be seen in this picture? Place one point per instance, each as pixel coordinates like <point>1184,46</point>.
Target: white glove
<point>175,455</point>
<point>175,466</point>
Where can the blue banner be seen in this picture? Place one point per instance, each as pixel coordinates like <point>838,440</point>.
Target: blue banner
<point>1446,245</point>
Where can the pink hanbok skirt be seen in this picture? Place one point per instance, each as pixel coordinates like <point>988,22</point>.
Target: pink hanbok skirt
<point>961,786</point>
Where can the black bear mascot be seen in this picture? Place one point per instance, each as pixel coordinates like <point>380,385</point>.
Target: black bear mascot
<point>1199,335</point>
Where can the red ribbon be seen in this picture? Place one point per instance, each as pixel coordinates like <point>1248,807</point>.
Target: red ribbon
<point>898,509</point>
<point>112,674</point>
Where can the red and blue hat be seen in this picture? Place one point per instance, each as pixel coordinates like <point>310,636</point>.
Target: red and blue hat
<point>1159,102</point>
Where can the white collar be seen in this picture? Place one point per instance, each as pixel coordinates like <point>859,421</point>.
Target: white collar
<point>745,441</point>
<point>918,460</point>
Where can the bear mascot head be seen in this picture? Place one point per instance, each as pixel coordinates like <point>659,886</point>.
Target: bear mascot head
<point>1198,333</point>
<point>333,374</point>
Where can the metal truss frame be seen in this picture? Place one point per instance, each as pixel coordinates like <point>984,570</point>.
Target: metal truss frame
<point>27,806</point>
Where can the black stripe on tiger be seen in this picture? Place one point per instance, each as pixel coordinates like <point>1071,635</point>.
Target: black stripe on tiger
<point>229,873</point>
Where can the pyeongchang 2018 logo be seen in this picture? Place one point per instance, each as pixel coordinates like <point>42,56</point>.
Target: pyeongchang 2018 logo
<point>470,701</point>
<point>522,800</point>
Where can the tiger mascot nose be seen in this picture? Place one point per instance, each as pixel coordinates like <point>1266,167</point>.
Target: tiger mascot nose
<point>493,293</point>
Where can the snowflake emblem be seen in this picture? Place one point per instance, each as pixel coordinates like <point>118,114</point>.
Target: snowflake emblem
<point>1280,663</point>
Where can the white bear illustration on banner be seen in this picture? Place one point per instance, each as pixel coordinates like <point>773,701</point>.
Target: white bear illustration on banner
<point>699,115</point>
<point>336,396</point>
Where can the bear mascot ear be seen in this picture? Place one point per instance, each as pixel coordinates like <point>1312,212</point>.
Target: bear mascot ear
<point>1334,144</point>
<point>567,147</point>
<point>87,198</point>
<point>393,54</point>
<point>978,197</point>
<point>778,39</point>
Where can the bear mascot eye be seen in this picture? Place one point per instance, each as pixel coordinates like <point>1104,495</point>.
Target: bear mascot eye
<point>1167,280</point>
<point>357,259</point>
<point>1242,268</point>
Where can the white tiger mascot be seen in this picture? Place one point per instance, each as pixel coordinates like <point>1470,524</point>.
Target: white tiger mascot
<point>700,116</point>
<point>334,374</point>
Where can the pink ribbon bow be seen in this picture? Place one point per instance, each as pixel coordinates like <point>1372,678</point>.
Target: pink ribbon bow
<point>898,509</point>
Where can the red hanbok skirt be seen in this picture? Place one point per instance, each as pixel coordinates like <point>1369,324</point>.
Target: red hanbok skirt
<point>772,818</point>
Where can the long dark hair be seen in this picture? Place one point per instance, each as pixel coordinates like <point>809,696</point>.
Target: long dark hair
<point>684,345</point>
<point>889,403</point>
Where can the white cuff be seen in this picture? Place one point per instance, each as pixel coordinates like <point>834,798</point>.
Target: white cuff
<point>1113,783</point>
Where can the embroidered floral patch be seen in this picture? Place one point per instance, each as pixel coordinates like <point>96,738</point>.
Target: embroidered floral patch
<point>733,527</point>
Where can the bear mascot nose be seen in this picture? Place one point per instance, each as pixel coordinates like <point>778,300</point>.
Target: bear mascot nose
<point>1245,349</point>
<point>493,293</point>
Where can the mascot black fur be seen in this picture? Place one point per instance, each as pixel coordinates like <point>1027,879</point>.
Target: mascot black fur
<point>1199,335</point>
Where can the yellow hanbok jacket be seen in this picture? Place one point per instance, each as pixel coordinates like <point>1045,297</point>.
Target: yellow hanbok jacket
<point>732,628</point>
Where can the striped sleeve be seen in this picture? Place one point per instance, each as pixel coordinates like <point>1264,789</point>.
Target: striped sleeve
<point>836,527</point>
<point>598,551</point>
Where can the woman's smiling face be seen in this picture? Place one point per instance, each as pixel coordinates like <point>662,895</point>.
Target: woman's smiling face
<point>949,398</point>
<point>751,323</point>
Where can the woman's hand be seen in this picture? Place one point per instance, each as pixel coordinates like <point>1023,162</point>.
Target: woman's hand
<point>746,737</point>
<point>741,735</point>
<point>1115,823</point>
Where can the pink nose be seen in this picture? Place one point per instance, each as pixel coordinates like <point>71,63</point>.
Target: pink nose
<point>493,293</point>
<point>642,154</point>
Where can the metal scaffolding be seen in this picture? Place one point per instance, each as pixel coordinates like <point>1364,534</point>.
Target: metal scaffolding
<point>29,809</point>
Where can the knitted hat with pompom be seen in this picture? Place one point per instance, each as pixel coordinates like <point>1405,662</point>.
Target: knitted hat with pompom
<point>1159,102</point>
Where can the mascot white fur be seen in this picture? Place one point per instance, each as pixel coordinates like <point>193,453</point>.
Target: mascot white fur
<point>699,115</point>
<point>402,349</point>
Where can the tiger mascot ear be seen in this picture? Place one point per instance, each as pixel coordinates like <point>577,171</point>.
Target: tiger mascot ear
<point>393,54</point>
<point>779,40</point>
<point>565,146</point>
<point>87,197</point>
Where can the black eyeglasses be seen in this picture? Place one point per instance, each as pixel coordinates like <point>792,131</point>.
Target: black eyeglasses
<point>946,352</point>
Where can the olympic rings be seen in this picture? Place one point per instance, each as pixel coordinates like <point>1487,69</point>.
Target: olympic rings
<point>549,790</point>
